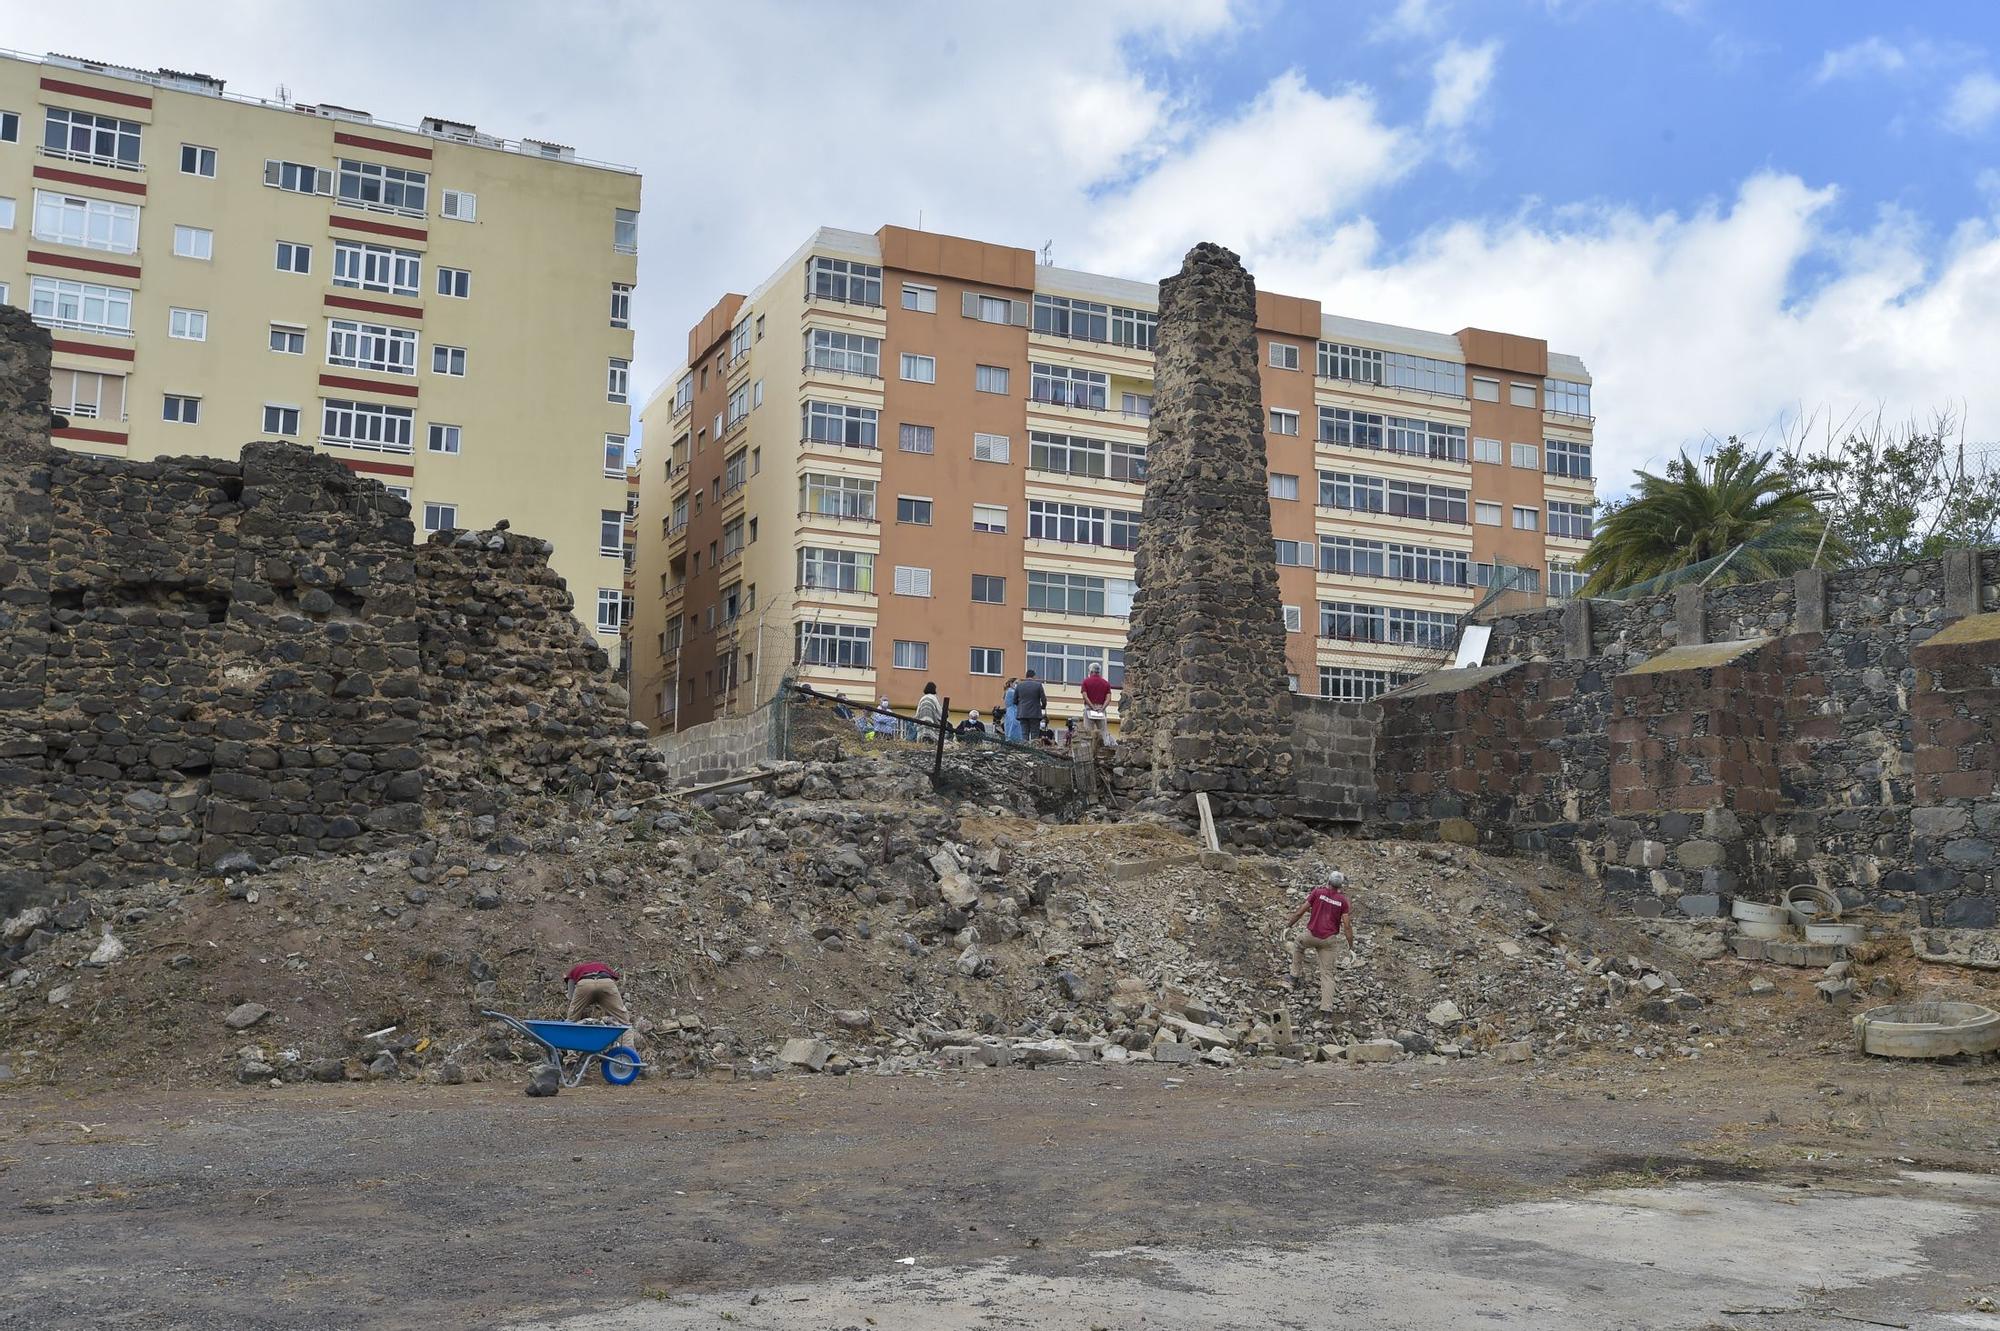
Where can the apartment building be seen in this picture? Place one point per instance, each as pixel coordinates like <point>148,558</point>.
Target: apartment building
<point>908,457</point>
<point>436,307</point>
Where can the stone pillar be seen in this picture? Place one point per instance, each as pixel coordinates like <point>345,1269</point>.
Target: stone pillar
<point>25,350</point>
<point>1207,704</point>
<point>1809,601</point>
<point>1690,615</point>
<point>1961,583</point>
<point>1576,629</point>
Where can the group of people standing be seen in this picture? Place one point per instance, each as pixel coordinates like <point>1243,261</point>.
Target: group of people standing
<point>1022,717</point>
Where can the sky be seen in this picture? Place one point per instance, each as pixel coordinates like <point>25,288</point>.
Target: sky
<point>1754,220</point>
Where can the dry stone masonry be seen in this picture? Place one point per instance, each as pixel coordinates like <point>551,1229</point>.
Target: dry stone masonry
<point>203,657</point>
<point>1207,704</point>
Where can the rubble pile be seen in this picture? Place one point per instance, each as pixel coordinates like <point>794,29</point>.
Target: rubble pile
<point>837,918</point>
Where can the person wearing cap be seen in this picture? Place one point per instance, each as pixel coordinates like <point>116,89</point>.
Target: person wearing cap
<point>1331,921</point>
<point>593,988</point>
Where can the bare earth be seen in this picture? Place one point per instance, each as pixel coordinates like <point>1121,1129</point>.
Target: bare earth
<point>1585,1193</point>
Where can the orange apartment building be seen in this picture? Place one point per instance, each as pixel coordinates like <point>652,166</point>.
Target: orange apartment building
<point>908,457</point>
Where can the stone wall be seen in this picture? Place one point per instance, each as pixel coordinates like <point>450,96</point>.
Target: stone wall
<point>1207,703</point>
<point>202,656</point>
<point>1333,756</point>
<point>730,746</point>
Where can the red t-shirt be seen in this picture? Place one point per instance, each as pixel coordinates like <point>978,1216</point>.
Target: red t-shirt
<point>589,970</point>
<point>1096,688</point>
<point>1329,908</point>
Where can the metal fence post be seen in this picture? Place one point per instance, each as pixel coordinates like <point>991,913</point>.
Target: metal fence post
<point>937,766</point>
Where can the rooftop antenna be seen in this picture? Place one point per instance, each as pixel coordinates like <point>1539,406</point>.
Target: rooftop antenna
<point>920,219</point>
<point>284,95</point>
<point>1049,252</point>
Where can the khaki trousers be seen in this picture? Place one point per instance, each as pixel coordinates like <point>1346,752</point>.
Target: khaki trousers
<point>1329,952</point>
<point>599,993</point>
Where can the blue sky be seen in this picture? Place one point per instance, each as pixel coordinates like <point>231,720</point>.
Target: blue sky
<point>1762,218</point>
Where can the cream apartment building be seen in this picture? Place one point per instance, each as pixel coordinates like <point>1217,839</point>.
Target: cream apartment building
<point>439,308</point>
<point>908,457</point>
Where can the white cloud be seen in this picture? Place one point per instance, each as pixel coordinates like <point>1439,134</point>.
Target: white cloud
<point>1459,81</point>
<point>1871,55</point>
<point>1973,104</point>
<point>1408,19</point>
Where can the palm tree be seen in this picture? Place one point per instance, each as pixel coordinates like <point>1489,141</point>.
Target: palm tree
<point>1762,517</point>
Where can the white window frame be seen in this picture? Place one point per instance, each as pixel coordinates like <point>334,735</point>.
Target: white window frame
<point>617,379</point>
<point>1487,513</point>
<point>621,304</point>
<point>1284,356</point>
<point>919,369</point>
<point>89,224</point>
<point>1489,450</point>
<point>188,412</point>
<point>619,443</point>
<point>185,325</point>
<point>290,333</point>
<point>193,242</point>
<point>611,520</point>
<point>625,230</point>
<point>7,212</point>
<point>1528,457</point>
<point>396,189</point>
<point>986,662</point>
<point>1283,421</point>
<point>355,345</point>
<point>910,580</point>
<point>372,426</point>
<point>1280,489</point>
<point>99,131</point>
<point>442,438</point>
<point>914,438</point>
<point>989,518</point>
<point>992,379</point>
<point>920,298</point>
<point>1485,390</point>
<point>918,657</point>
<point>279,429</point>
<point>458,205</point>
<point>440,516</point>
<point>452,358</point>
<point>49,296</point>
<point>1295,619</point>
<point>292,249</point>
<point>1523,395</point>
<point>613,600</point>
<point>992,448</point>
<point>297,177</point>
<point>1527,518</point>
<point>931,512</point>
<point>454,283</point>
<point>361,266</point>
<point>199,161</point>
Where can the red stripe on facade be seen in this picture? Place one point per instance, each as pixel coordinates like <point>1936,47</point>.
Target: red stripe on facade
<point>379,468</point>
<point>383,145</point>
<point>101,94</point>
<point>91,349</point>
<point>376,306</point>
<point>119,185</point>
<point>367,385</point>
<point>89,436</point>
<point>379,228</point>
<point>84,265</point>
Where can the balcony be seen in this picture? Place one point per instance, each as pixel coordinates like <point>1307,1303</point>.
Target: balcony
<point>841,373</point>
<point>80,326</point>
<point>89,159</point>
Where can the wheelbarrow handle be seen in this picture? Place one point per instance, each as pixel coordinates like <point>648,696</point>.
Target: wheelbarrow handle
<point>524,1029</point>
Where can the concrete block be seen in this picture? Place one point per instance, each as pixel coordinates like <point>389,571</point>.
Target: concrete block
<point>1375,1051</point>
<point>1961,582</point>
<point>1690,615</point>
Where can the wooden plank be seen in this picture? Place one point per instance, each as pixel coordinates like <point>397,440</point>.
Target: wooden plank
<point>1208,837</point>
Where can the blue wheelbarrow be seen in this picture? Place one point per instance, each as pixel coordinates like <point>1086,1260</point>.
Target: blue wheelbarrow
<point>597,1043</point>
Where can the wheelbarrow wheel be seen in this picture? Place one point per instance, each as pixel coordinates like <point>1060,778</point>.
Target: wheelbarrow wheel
<point>620,1066</point>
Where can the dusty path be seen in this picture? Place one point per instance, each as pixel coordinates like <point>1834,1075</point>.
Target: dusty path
<point>674,1203</point>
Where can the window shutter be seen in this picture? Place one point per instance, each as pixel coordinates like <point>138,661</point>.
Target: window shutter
<point>271,170</point>
<point>991,448</point>
<point>969,304</point>
<point>1017,313</point>
<point>912,581</point>
<point>324,180</point>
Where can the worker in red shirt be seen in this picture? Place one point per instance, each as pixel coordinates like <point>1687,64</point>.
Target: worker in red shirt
<point>1096,694</point>
<point>593,987</point>
<point>1331,923</point>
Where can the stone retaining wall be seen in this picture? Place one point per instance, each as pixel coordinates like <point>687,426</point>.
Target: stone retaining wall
<point>729,746</point>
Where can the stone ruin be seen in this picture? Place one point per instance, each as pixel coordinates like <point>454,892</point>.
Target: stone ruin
<point>1207,704</point>
<point>203,656</point>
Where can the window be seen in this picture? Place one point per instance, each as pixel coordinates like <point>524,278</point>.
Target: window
<point>1565,397</point>
<point>459,206</point>
<point>1067,593</point>
<point>992,448</point>
<point>1082,524</point>
<point>1084,320</point>
<point>993,309</point>
<point>839,423</point>
<point>1567,458</point>
<point>1525,455</point>
<point>916,438</point>
<point>1486,514</point>
<point>1069,663</point>
<point>1485,390</point>
<point>91,224</point>
<point>197,161</point>
<point>736,471</point>
<point>614,455</point>
<point>912,655</point>
<point>837,496</point>
<point>739,341</point>
<point>842,646</point>
<point>1360,494</point>
<point>621,305</point>
<point>440,517</point>
<point>1134,328</point>
<point>297,177</point>
<point>181,410</point>
<point>1361,365</point>
<point>281,420</point>
<point>1352,557</point>
<point>10,127</point>
<point>920,298</point>
<point>1423,374</point>
<point>989,589</point>
<point>624,231</point>
<point>1358,429</point>
<point>756,394</point>
<point>1350,622</point>
<point>738,405</point>
<point>844,280</point>
<point>6,214</point>
<point>454,282</point>
<point>1136,406</point>
<point>1295,621</point>
<point>989,517</point>
<point>616,375</point>
<point>366,425</point>
<point>448,360</point>
<point>391,189</point>
<point>1294,554</point>
<point>919,369</point>
<point>1486,450</point>
<point>1415,437</point>
<point>1527,519</point>
<point>1284,422</point>
<point>732,540</point>
<point>194,242</point>
<point>377,268</point>
<point>1521,395</point>
<point>1284,356</point>
<point>986,661</point>
<point>288,339</point>
<point>294,257</point>
<point>80,305</point>
<point>1432,503</point>
<point>836,570</point>
<point>1564,580</point>
<point>1422,563</point>
<point>610,609</point>
<point>1349,684</point>
<point>443,438</point>
<point>1283,486</point>
<point>914,511</point>
<point>188,325</point>
<point>1571,520</point>
<point>611,531</point>
<point>371,346</point>
<point>991,379</point>
<point>83,137</point>
<point>1067,387</point>
<point>82,395</point>
<point>844,353</point>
